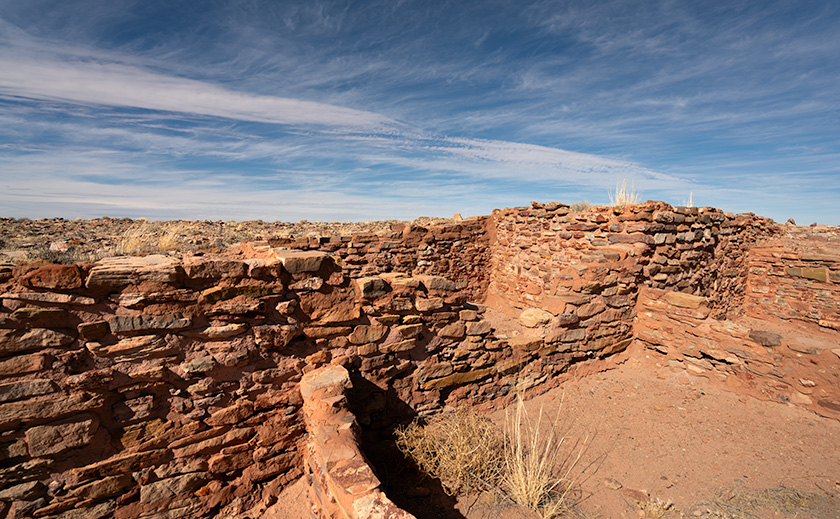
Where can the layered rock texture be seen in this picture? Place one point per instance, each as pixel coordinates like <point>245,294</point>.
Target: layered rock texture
<point>168,386</point>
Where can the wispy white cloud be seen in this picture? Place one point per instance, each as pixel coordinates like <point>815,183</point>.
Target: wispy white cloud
<point>128,86</point>
<point>386,100</point>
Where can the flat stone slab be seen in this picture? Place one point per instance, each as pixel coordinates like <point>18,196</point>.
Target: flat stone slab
<point>132,270</point>
<point>328,376</point>
<point>297,261</point>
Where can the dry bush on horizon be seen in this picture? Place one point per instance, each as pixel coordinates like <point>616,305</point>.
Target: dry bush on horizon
<point>623,195</point>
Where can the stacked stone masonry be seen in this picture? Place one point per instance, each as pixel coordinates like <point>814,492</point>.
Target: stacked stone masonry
<point>161,386</point>
<point>341,482</point>
<point>170,386</point>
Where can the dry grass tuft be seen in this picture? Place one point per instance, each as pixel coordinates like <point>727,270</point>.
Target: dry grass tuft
<point>531,464</point>
<point>148,237</point>
<point>579,207</point>
<point>623,195</point>
<point>452,446</point>
<point>539,464</point>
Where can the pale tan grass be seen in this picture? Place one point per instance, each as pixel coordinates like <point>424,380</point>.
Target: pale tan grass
<point>539,465</point>
<point>579,207</point>
<point>623,195</point>
<point>453,446</point>
<point>149,237</point>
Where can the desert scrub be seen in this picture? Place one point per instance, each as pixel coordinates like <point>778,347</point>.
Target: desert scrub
<point>150,237</point>
<point>623,195</point>
<point>453,445</point>
<point>529,463</point>
<point>579,207</point>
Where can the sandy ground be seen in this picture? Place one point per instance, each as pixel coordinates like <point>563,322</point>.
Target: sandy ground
<point>659,435</point>
<point>676,437</point>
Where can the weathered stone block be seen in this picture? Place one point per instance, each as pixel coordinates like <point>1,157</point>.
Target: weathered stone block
<point>18,341</point>
<point>365,333</point>
<point>410,330</point>
<point>115,273</point>
<point>296,261</point>
<point>141,323</point>
<point>328,376</point>
<point>224,293</point>
<point>394,347</point>
<point>105,487</point>
<point>131,348</point>
<point>62,277</point>
<point>216,333</point>
<point>231,415</point>
<point>428,304</point>
<point>525,343</point>
<point>588,310</point>
<point>26,389</point>
<point>478,328</point>
<point>458,378</point>
<point>371,287</point>
<point>209,267</point>
<point>48,297</point>
<point>535,317</point>
<point>766,338</point>
<point>817,274</point>
<point>453,331</point>
<point>20,364</point>
<point>46,440</point>
<point>436,283</point>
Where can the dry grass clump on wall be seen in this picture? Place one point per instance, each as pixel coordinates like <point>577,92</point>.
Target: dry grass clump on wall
<point>579,207</point>
<point>623,195</point>
<point>452,446</point>
<point>531,463</point>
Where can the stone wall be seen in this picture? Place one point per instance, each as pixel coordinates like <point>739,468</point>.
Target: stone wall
<point>169,386</point>
<point>341,483</point>
<point>165,386</point>
<point>792,282</point>
<point>769,358</point>
<point>586,268</point>
<point>458,251</point>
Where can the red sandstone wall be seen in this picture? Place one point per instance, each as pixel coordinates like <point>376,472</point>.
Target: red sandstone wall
<point>768,358</point>
<point>341,483</point>
<point>587,267</point>
<point>458,251</point>
<point>795,280</point>
<point>168,387</point>
<point>137,387</point>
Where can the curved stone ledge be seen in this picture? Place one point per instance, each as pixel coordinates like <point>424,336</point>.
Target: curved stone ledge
<point>341,483</point>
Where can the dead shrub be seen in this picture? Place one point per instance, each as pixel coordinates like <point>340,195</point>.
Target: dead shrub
<point>532,463</point>
<point>579,207</point>
<point>453,445</point>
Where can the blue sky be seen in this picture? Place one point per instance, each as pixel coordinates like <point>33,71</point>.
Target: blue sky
<point>279,110</point>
